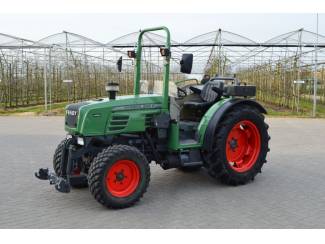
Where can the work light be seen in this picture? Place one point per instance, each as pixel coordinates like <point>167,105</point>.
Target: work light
<point>165,52</point>
<point>131,54</point>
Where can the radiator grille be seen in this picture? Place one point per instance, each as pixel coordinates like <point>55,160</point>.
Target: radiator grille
<point>71,114</point>
<point>148,120</point>
<point>118,122</point>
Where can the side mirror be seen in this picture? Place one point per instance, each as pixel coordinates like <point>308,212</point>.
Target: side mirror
<point>119,64</point>
<point>186,63</point>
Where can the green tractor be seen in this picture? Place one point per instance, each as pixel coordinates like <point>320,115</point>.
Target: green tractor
<point>111,141</point>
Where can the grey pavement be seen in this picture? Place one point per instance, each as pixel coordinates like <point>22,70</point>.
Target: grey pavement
<point>290,193</point>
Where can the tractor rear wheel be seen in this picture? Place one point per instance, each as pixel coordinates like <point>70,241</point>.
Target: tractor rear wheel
<point>240,146</point>
<point>78,181</point>
<point>119,176</point>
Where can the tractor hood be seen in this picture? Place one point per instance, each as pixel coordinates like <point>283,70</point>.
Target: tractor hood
<point>104,116</point>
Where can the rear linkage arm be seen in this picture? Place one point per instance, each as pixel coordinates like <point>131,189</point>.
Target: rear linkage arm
<point>61,184</point>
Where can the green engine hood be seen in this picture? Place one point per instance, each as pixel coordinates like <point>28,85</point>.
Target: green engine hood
<point>126,114</point>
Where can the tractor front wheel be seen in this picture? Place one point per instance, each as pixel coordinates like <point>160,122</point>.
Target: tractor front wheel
<point>119,176</point>
<point>79,180</point>
<point>240,146</point>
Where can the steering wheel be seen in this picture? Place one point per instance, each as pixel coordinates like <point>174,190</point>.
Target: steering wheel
<point>181,93</point>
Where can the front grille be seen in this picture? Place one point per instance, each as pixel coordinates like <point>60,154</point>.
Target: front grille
<point>71,114</point>
<point>71,120</point>
<point>118,122</point>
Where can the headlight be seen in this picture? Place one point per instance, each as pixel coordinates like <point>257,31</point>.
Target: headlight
<point>80,141</point>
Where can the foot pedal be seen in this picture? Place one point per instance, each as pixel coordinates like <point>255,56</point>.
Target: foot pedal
<point>42,174</point>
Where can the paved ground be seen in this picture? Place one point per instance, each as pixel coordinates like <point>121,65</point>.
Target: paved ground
<point>290,193</point>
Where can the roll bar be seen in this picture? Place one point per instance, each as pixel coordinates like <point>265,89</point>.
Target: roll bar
<point>137,77</point>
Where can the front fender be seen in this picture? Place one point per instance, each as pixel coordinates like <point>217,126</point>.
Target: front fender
<point>213,116</point>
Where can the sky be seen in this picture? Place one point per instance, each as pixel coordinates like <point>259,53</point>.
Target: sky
<point>106,27</point>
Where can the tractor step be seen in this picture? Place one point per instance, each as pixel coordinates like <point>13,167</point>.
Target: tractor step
<point>188,142</point>
<point>191,158</point>
<point>61,184</point>
<point>190,164</point>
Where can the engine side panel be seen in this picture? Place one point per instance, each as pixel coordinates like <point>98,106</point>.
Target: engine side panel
<point>126,114</point>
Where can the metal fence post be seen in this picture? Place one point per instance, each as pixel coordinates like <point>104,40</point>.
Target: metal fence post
<point>315,72</point>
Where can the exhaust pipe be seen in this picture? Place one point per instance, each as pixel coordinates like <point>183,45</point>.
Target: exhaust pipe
<point>112,88</point>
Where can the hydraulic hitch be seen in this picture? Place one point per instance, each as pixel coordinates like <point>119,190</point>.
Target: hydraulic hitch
<point>61,184</point>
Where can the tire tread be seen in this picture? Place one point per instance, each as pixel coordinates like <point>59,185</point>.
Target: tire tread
<point>215,165</point>
<point>98,166</point>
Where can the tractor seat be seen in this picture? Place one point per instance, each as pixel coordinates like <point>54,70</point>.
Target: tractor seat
<point>207,96</point>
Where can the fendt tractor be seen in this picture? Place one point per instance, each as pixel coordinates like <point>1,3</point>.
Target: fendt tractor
<point>216,125</point>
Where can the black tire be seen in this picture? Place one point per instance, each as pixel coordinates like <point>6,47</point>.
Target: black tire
<point>218,165</point>
<point>76,181</point>
<point>100,168</point>
<point>189,169</point>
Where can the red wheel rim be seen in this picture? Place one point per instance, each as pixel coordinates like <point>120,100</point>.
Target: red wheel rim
<point>122,178</point>
<point>243,146</point>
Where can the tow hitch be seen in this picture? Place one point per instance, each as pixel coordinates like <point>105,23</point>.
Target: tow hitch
<point>61,184</point>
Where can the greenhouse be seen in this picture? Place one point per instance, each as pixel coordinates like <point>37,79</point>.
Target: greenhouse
<point>288,70</point>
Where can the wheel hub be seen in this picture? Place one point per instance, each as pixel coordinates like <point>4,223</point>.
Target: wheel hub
<point>122,178</point>
<point>243,146</point>
<point>233,143</point>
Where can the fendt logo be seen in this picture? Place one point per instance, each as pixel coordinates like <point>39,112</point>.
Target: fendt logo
<point>71,112</point>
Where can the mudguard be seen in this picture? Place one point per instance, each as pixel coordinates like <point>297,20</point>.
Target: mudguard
<point>218,115</point>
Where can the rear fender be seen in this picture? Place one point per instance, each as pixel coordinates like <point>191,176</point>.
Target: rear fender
<point>215,114</point>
